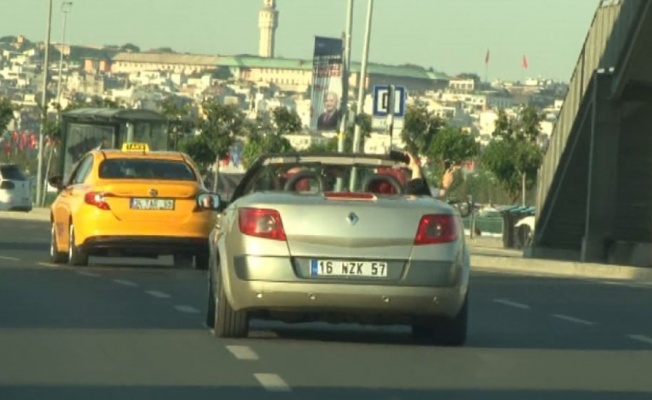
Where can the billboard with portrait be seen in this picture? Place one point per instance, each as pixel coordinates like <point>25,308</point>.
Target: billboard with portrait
<point>326,84</point>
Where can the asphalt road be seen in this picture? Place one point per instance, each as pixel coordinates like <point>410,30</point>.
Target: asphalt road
<point>136,332</point>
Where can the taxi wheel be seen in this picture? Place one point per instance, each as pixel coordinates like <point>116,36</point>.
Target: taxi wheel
<point>56,256</point>
<point>227,323</point>
<point>201,261</point>
<point>76,256</point>
<point>444,331</point>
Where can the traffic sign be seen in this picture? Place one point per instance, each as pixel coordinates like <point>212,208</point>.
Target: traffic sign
<point>381,101</point>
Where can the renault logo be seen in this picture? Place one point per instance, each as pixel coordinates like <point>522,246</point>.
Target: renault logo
<point>352,218</point>
<point>153,192</point>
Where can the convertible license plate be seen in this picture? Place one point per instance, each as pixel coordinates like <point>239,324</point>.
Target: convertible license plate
<point>367,269</point>
<point>152,204</point>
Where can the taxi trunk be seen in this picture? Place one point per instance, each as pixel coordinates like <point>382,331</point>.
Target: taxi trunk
<point>169,203</point>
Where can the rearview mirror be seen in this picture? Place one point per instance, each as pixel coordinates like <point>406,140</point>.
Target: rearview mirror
<point>56,182</point>
<point>209,201</point>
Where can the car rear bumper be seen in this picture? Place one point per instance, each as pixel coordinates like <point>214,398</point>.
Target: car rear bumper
<point>356,299</point>
<point>278,284</point>
<point>148,244</point>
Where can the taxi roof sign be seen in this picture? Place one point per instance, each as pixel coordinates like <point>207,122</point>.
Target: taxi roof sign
<point>135,147</point>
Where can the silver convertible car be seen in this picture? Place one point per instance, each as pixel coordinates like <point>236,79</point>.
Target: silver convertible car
<point>337,238</point>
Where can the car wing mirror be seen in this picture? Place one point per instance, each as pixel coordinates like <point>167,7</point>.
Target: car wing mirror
<point>210,202</point>
<point>56,182</point>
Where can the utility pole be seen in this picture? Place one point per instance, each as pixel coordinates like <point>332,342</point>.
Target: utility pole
<point>363,78</point>
<point>44,105</point>
<point>65,9</point>
<point>346,73</point>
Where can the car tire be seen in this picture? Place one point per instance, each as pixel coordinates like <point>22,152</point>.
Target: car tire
<point>76,255</point>
<point>183,260</point>
<point>56,256</point>
<point>201,261</point>
<point>227,323</point>
<point>444,331</point>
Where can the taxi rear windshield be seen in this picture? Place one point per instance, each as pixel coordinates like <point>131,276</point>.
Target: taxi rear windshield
<point>146,169</point>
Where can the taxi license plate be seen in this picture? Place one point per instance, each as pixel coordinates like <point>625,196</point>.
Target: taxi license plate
<point>366,269</point>
<point>152,204</point>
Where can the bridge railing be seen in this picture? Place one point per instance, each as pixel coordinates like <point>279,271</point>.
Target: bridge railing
<point>610,31</point>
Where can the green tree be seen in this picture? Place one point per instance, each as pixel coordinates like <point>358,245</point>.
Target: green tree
<point>6,113</point>
<point>419,129</point>
<point>514,156</point>
<point>180,120</point>
<point>286,121</point>
<point>263,143</point>
<point>218,127</point>
<point>450,143</point>
<point>222,73</point>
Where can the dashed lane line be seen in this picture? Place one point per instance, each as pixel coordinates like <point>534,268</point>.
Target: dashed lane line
<point>641,338</point>
<point>7,258</point>
<point>272,382</point>
<point>125,283</point>
<point>155,293</point>
<point>512,304</point>
<point>242,352</point>
<point>186,309</point>
<point>573,319</point>
<point>89,274</point>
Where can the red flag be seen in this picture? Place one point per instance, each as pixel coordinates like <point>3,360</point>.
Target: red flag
<point>486,57</point>
<point>524,62</point>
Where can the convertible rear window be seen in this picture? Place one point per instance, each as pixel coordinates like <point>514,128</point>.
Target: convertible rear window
<point>12,173</point>
<point>146,169</point>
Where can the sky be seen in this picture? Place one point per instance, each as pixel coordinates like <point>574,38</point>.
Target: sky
<point>452,36</point>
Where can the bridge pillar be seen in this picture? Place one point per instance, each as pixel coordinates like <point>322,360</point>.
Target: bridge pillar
<point>603,172</point>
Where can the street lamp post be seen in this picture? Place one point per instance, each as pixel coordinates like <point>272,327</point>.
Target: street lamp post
<point>44,104</point>
<point>362,89</point>
<point>65,9</point>
<point>345,76</point>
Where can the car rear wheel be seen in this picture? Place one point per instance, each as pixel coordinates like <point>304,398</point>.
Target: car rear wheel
<point>442,330</point>
<point>201,261</point>
<point>76,255</point>
<point>226,322</point>
<point>56,256</point>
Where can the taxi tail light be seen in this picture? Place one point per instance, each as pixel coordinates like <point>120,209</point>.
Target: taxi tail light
<point>435,229</point>
<point>97,199</point>
<point>261,222</point>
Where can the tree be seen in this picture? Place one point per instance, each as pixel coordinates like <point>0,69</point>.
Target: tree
<point>130,48</point>
<point>218,127</point>
<point>514,155</point>
<point>6,113</point>
<point>450,143</point>
<point>263,143</point>
<point>222,73</point>
<point>180,120</point>
<point>286,121</point>
<point>419,129</point>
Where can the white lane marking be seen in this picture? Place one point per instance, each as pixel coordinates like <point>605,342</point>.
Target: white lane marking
<point>9,258</point>
<point>573,319</point>
<point>43,264</point>
<point>272,382</point>
<point>641,338</point>
<point>186,309</point>
<point>160,295</point>
<point>125,283</point>
<point>89,274</point>
<point>242,352</point>
<point>511,304</point>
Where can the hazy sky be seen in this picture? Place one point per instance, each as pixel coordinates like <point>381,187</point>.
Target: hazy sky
<point>449,35</point>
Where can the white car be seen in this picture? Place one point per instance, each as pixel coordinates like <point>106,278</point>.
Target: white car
<point>15,189</point>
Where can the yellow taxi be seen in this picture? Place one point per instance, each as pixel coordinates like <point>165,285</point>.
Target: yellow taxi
<point>132,202</point>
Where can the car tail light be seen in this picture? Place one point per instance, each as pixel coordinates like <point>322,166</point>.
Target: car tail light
<point>349,196</point>
<point>97,199</point>
<point>261,222</point>
<point>436,228</point>
<point>7,185</point>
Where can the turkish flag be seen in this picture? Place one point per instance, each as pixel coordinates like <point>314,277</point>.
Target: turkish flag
<point>486,57</point>
<point>524,62</point>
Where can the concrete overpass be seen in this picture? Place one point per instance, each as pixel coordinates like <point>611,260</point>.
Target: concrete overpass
<point>594,201</point>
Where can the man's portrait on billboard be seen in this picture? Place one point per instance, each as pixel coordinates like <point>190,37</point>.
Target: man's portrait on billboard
<point>330,118</point>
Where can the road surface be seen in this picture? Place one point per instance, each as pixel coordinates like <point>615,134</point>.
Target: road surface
<point>136,332</point>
